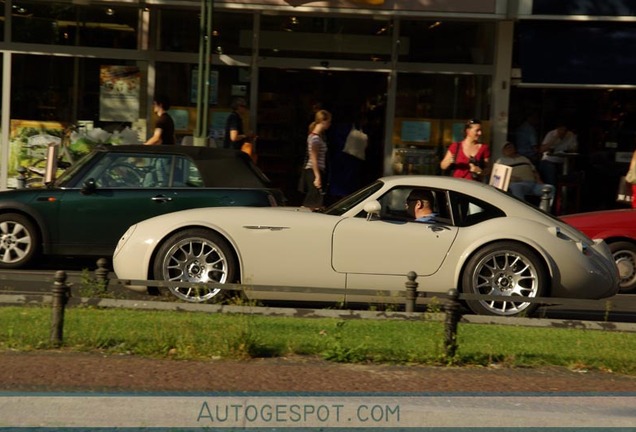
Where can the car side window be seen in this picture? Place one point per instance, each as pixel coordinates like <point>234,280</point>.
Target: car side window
<point>131,171</point>
<point>393,205</point>
<point>469,211</point>
<point>186,173</point>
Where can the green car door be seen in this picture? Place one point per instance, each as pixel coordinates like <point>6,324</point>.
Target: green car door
<point>120,190</point>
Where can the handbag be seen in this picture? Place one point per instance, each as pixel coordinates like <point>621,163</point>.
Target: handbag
<point>624,193</point>
<point>356,143</point>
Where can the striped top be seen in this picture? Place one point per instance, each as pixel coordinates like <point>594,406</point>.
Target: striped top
<point>316,141</point>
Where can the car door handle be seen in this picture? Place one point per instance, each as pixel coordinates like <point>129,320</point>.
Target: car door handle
<point>437,228</point>
<point>161,198</point>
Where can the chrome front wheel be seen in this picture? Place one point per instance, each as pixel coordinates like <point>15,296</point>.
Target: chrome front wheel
<point>504,269</point>
<point>198,256</point>
<point>625,257</point>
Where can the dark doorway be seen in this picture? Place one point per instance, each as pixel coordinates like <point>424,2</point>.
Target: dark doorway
<point>286,103</point>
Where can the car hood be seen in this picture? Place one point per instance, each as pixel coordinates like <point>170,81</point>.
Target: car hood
<point>626,217</point>
<point>605,224</point>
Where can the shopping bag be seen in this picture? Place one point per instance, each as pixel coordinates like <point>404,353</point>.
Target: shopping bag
<point>624,193</point>
<point>356,143</point>
<point>500,177</point>
<point>248,148</point>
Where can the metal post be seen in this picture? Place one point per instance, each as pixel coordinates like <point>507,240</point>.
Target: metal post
<point>411,291</point>
<point>545,199</point>
<point>21,179</point>
<point>101,273</point>
<point>203,83</point>
<point>453,314</point>
<point>61,293</point>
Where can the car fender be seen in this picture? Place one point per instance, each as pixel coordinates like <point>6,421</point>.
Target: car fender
<point>478,236</point>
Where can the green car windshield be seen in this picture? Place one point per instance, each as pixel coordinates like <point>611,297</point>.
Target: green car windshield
<point>69,173</point>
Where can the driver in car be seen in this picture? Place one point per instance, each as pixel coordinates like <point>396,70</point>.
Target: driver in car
<point>420,204</point>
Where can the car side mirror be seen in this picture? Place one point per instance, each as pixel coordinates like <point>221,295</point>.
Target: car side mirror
<point>373,209</point>
<point>89,187</point>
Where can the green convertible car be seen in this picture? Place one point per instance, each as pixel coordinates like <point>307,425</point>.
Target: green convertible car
<point>87,209</point>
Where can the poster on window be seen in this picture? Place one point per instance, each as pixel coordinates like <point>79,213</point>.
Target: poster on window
<point>119,93</point>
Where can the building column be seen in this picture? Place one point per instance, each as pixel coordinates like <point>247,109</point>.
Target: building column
<point>501,86</point>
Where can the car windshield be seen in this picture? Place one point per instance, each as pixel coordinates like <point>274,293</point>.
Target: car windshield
<point>69,173</point>
<point>352,200</point>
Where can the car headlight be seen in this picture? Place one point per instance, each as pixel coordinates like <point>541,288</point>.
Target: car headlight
<point>124,238</point>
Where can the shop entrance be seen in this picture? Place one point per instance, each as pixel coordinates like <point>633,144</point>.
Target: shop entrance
<point>286,100</point>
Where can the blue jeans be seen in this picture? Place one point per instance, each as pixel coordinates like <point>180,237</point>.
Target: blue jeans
<point>521,189</point>
<point>550,171</point>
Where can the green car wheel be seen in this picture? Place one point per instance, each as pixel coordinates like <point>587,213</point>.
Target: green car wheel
<point>18,240</point>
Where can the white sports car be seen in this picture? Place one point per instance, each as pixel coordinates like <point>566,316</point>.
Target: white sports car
<point>482,241</point>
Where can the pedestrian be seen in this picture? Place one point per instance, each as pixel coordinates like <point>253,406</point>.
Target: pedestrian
<point>527,140</point>
<point>235,135</point>
<point>469,158</point>
<point>524,179</point>
<point>164,126</point>
<point>630,178</point>
<point>314,169</point>
<point>559,140</point>
<point>347,153</point>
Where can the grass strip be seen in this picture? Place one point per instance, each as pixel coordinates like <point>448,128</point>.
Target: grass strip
<point>201,336</point>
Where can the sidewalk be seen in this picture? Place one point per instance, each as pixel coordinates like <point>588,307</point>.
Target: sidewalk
<point>60,371</point>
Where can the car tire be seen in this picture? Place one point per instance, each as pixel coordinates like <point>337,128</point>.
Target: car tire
<point>506,269</point>
<point>624,253</point>
<point>195,255</point>
<point>19,241</point>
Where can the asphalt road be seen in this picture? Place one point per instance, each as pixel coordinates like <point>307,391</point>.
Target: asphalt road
<point>38,280</point>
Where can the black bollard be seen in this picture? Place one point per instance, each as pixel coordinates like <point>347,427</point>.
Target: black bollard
<point>411,292</point>
<point>453,314</point>
<point>61,293</point>
<point>101,274</point>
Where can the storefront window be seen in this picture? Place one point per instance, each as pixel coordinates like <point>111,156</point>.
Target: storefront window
<point>438,41</point>
<point>52,96</point>
<point>67,24</point>
<point>225,83</point>
<point>324,37</point>
<point>431,110</point>
<point>179,31</point>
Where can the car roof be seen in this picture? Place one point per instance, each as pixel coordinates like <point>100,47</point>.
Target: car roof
<point>218,167</point>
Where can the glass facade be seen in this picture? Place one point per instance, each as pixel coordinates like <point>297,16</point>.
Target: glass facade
<point>340,62</point>
<point>61,23</point>
<point>444,41</point>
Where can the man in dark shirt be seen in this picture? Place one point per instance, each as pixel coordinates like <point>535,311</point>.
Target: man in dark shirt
<point>164,127</point>
<point>235,135</point>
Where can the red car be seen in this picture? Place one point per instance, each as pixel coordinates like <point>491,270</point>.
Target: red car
<point>618,229</point>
